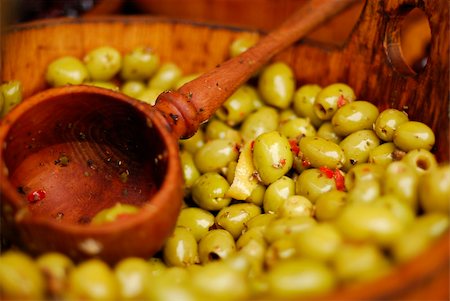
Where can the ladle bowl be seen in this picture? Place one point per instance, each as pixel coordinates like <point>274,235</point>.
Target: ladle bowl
<point>82,149</point>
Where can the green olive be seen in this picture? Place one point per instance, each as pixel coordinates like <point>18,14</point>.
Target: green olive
<point>303,104</point>
<point>363,172</point>
<point>329,205</point>
<point>387,123</point>
<point>296,205</point>
<point>234,217</point>
<point>382,154</point>
<point>297,128</point>
<point>208,191</point>
<point>181,248</point>
<point>320,152</point>
<point>285,227</point>
<point>260,221</point>
<point>216,129</point>
<point>132,88</point>
<point>279,250</point>
<point>103,63</point>
<point>359,262</point>
<point>194,143</point>
<point>66,70</point>
<point>402,211</point>
<point>215,155</point>
<point>354,116</point>
<point>236,108</point>
<point>276,84</point>
<point>326,131</point>
<point>185,79</point>
<point>362,222</point>
<point>312,183</point>
<point>132,274</point>
<point>364,192</point>
<point>103,84</point>
<point>262,121</point>
<point>190,171</point>
<point>288,114</point>
<point>92,280</point>
<point>277,193</point>
<point>149,95</point>
<point>11,94</point>
<point>319,242</point>
<point>357,147</point>
<point>139,64</point>
<point>434,190</point>
<point>257,195</point>
<point>166,76</point>
<point>216,244</point>
<point>272,156</point>
<point>114,213</point>
<point>56,267</point>
<point>240,45</point>
<point>413,135</point>
<point>300,278</point>
<point>20,277</point>
<point>197,220</point>
<point>421,160</point>
<point>331,98</point>
<point>402,181</point>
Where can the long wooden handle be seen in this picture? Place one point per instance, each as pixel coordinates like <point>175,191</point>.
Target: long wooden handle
<point>197,100</point>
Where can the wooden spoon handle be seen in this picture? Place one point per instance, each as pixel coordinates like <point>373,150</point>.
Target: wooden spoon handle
<point>197,100</point>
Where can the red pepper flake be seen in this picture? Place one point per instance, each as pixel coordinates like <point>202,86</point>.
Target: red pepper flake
<point>123,216</point>
<point>280,163</point>
<point>37,195</point>
<point>327,172</point>
<point>339,179</point>
<point>294,146</point>
<point>306,163</point>
<point>341,101</point>
<point>252,145</point>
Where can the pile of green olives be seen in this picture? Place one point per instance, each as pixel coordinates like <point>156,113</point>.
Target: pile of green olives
<point>290,191</point>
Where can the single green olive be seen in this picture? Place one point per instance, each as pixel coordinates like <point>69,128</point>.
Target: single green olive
<point>236,108</point>
<point>359,262</point>
<point>321,152</point>
<point>185,79</point>
<point>114,213</point>
<point>329,205</point>
<point>149,95</point>
<point>364,192</point>
<point>300,278</point>
<point>363,222</point>
<point>421,160</point>
<point>261,121</point>
<point>326,131</point>
<point>383,154</point>
<point>215,155</point>
<point>434,190</point>
<point>216,244</point>
<point>181,248</point>
<point>296,128</point>
<point>279,250</point>
<point>56,268</point>
<point>401,180</point>
<point>296,205</point>
<point>319,242</point>
<point>240,45</point>
<point>257,195</point>
<point>260,221</point>
<point>272,156</point>
<point>285,227</point>
<point>357,147</point>
<point>92,280</point>
<point>20,277</point>
<point>354,116</point>
<point>233,217</point>
<point>66,70</point>
<point>312,183</point>
<point>363,172</point>
<point>194,143</point>
<point>132,88</point>
<point>303,104</point>
<point>288,114</point>
<point>133,274</point>
<point>165,77</point>
<point>253,234</point>
<point>331,98</point>
<point>208,191</point>
<point>197,220</point>
<point>277,193</point>
<point>139,64</point>
<point>103,63</point>
<point>413,135</point>
<point>387,123</point>
<point>217,129</point>
<point>276,84</point>
<point>11,95</point>
<point>190,171</point>
<point>402,211</point>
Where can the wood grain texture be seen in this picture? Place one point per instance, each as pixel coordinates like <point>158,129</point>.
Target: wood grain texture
<point>362,62</point>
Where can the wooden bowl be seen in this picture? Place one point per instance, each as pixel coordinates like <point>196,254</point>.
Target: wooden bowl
<point>370,61</point>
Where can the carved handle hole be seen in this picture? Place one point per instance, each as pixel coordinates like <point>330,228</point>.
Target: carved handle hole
<point>407,41</point>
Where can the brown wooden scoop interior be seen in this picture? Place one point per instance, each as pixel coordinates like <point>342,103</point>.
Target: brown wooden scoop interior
<point>82,149</point>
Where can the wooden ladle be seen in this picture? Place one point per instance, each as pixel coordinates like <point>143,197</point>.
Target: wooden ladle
<point>69,152</point>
